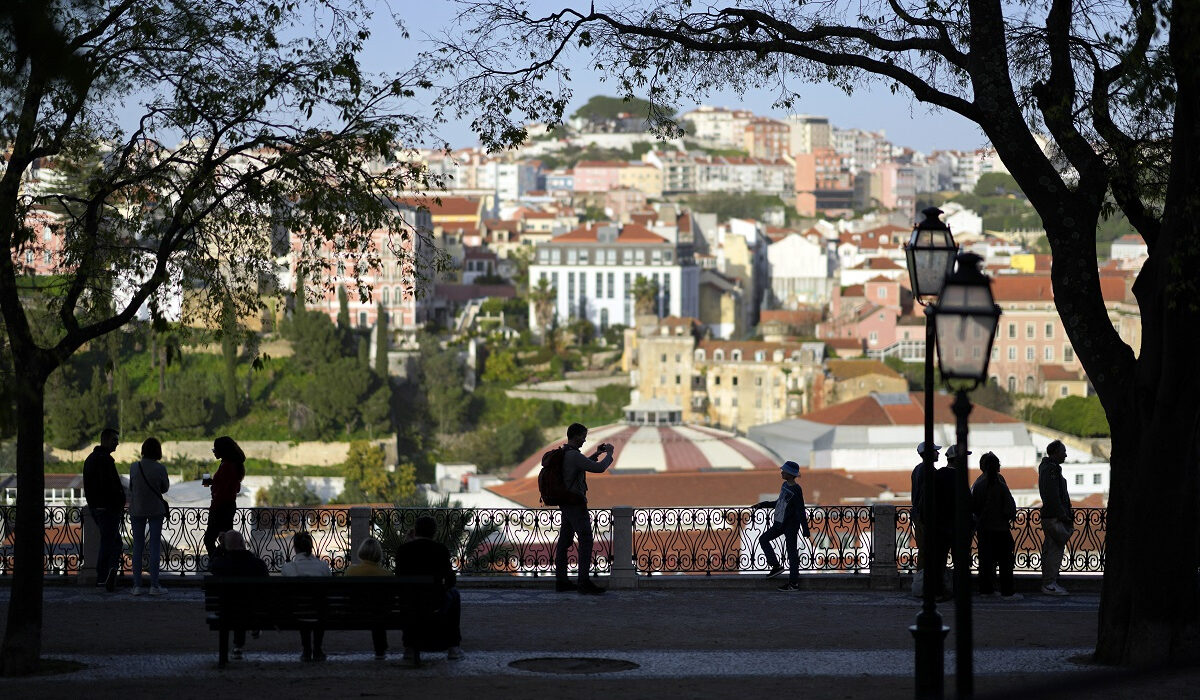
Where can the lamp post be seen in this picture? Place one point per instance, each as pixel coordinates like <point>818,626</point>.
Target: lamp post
<point>930,253</point>
<point>966,318</point>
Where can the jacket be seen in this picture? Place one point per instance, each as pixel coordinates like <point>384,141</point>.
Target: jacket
<point>305,565</point>
<point>226,484</point>
<point>101,484</point>
<point>576,466</point>
<point>992,503</point>
<point>367,568</point>
<point>238,563</point>
<point>789,508</point>
<point>1056,502</point>
<point>145,494</point>
<point>423,556</point>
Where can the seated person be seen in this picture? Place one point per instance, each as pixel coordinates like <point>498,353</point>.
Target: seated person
<point>423,556</point>
<point>370,553</point>
<point>303,563</point>
<point>234,560</point>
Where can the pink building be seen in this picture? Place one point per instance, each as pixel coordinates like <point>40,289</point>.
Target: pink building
<point>598,175</point>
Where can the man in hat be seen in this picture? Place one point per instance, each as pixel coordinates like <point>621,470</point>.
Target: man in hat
<point>790,518</point>
<point>918,499</point>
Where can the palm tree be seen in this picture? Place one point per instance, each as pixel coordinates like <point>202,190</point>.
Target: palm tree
<point>461,530</point>
<point>645,296</point>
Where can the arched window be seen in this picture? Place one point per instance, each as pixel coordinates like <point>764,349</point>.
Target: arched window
<point>1029,385</point>
<point>1012,384</point>
<point>736,356</point>
<point>386,296</point>
<point>777,356</point>
<point>699,355</point>
<point>718,355</point>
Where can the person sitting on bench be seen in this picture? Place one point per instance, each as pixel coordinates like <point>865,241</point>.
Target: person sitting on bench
<point>422,555</point>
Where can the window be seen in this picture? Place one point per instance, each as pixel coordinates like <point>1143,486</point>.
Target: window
<point>1012,330</point>
<point>881,292</point>
<point>599,285</point>
<point>735,381</point>
<point>777,356</point>
<point>610,256</point>
<point>362,319</point>
<point>719,355</point>
<point>733,401</point>
<point>873,336</point>
<point>699,356</point>
<point>717,380</point>
<point>678,357</point>
<point>1048,355</point>
<point>385,296</point>
<point>760,355</point>
<point>583,257</point>
<point>1012,384</point>
<point>1049,330</point>
<point>1079,479</point>
<point>664,358</point>
<point>758,402</point>
<point>656,257</point>
<point>46,257</point>
<point>662,380</point>
<point>626,258</point>
<point>1097,478</point>
<point>572,256</point>
<point>1029,331</point>
<point>639,257</point>
<point>717,402</point>
<point>1029,353</point>
<point>1012,352</point>
<point>678,380</point>
<point>1068,353</point>
<point>758,381</point>
<point>611,278</point>
<point>736,356</point>
<point>995,352</point>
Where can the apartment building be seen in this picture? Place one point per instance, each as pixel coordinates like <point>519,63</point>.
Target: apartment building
<point>824,182</point>
<point>725,383</point>
<point>766,138</point>
<point>718,127</point>
<point>593,270</point>
<point>801,271</point>
<point>807,133</point>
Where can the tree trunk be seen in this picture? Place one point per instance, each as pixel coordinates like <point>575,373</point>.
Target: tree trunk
<point>23,634</point>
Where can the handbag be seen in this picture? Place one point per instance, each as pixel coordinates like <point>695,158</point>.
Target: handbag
<point>163,501</point>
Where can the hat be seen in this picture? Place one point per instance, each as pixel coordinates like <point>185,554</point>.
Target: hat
<point>790,467</point>
<point>953,452</point>
<point>921,448</point>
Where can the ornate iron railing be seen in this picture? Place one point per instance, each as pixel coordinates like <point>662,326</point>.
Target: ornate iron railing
<point>522,541</point>
<point>726,540</point>
<point>498,540</point>
<point>63,539</point>
<point>1084,552</point>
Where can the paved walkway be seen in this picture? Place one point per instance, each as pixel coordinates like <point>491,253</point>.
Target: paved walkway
<point>697,642</point>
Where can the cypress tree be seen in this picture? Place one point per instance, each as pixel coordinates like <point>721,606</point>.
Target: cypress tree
<point>343,317</point>
<point>381,342</point>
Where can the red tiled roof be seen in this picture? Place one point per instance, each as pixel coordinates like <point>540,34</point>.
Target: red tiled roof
<point>845,343</point>
<point>601,164</point>
<point>681,489</point>
<point>869,411</point>
<point>1037,287</point>
<point>793,318</point>
<point>629,233</point>
<point>854,290</point>
<point>449,206</point>
<point>466,292</point>
<point>1058,373</point>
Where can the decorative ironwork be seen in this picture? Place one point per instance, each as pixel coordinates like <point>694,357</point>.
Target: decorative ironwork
<point>267,531</point>
<point>1084,552</point>
<point>498,540</point>
<point>63,539</point>
<point>725,540</point>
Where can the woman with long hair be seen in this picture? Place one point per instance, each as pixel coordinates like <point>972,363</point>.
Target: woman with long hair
<point>147,508</point>
<point>225,485</point>
<point>994,509</point>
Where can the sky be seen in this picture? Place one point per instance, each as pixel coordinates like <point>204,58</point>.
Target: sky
<point>906,122</point>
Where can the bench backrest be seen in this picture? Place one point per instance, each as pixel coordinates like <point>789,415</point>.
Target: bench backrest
<point>287,602</point>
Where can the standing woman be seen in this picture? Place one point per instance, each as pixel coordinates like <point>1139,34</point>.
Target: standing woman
<point>994,508</point>
<point>225,484</point>
<point>147,484</point>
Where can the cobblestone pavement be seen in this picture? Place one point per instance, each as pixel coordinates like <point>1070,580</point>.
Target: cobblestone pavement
<point>696,642</point>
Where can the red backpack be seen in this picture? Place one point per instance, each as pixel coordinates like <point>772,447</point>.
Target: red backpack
<point>551,485</point>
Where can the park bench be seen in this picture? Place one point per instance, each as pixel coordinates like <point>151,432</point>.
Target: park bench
<point>331,603</point>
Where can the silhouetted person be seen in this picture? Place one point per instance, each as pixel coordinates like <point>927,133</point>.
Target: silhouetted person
<point>303,563</point>
<point>370,553</point>
<point>994,509</point>
<point>424,556</point>
<point>789,520</point>
<point>945,480</point>
<point>225,485</point>
<point>1058,520</point>
<point>106,503</point>
<point>235,560</point>
<point>576,521</point>
<point>147,483</point>
<point>917,514</point>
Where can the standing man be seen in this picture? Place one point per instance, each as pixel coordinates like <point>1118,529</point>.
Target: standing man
<point>1057,517</point>
<point>941,530</point>
<point>790,518</point>
<point>106,502</point>
<point>917,515</point>
<point>576,521</point>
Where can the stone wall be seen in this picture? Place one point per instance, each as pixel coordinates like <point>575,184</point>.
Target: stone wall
<point>322,454</point>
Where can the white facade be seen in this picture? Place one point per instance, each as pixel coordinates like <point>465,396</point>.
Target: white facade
<point>594,279</point>
<point>801,271</point>
<point>808,132</point>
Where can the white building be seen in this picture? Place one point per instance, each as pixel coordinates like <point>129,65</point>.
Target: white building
<point>808,132</point>
<point>593,270</point>
<point>801,271</point>
<point>718,127</point>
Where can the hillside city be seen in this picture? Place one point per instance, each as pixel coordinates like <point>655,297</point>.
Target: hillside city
<point>710,304</point>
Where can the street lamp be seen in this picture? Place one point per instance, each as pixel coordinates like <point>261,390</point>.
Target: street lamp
<point>930,253</point>
<point>966,318</point>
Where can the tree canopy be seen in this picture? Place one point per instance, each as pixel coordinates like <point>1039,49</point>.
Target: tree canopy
<point>255,132</point>
<point>1111,89</point>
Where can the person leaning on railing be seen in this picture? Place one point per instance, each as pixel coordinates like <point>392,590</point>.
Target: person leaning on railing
<point>370,553</point>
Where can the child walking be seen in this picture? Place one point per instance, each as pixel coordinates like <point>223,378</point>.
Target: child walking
<point>790,518</point>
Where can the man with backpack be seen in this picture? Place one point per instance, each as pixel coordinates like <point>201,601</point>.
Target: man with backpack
<point>570,495</point>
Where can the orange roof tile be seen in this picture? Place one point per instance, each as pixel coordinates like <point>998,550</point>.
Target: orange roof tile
<point>629,233</point>
<point>869,411</point>
<point>849,369</point>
